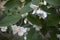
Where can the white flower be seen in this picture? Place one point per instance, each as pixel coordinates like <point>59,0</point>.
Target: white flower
<point>19,30</point>
<point>3,28</point>
<point>33,6</point>
<point>37,28</point>
<point>41,13</point>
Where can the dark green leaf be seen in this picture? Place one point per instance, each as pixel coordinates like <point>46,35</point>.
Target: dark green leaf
<point>27,1</point>
<point>9,20</point>
<point>53,18</point>
<point>53,31</point>
<point>12,4</point>
<point>33,35</point>
<point>35,20</point>
<point>54,2</point>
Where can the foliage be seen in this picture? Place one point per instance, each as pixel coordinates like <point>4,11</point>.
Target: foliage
<point>12,14</point>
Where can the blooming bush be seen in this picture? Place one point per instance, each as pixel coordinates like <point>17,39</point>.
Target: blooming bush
<point>30,20</point>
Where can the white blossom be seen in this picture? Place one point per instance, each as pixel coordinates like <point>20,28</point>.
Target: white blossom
<point>18,30</point>
<point>3,28</point>
<point>33,6</point>
<point>40,13</point>
<point>37,28</point>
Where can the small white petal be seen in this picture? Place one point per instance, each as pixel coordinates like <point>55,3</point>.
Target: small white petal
<point>45,3</point>
<point>24,15</point>
<point>58,35</point>
<point>44,15</point>
<point>33,6</point>
<point>20,33</point>
<point>14,28</point>
<point>34,12</point>
<point>25,21</point>
<point>34,26</point>
<point>30,23</point>
<point>37,28</point>
<point>25,38</point>
<point>23,29</point>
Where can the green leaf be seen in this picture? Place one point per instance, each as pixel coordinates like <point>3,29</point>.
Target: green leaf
<point>30,33</point>
<point>12,4</point>
<point>53,19</point>
<point>33,35</point>
<point>44,30</point>
<point>27,1</point>
<point>54,2</point>
<point>36,36</point>
<point>53,31</point>
<point>35,20</point>
<point>9,20</point>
